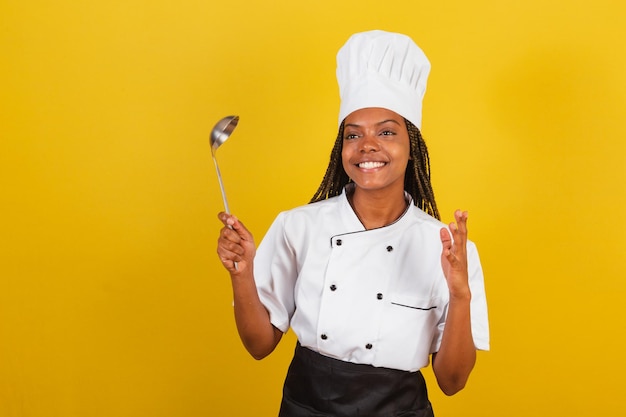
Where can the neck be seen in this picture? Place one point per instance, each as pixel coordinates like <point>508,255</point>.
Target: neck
<point>376,208</point>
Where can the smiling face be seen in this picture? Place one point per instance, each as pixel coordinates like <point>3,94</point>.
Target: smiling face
<point>376,149</point>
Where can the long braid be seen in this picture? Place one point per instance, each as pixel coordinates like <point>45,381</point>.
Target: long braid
<point>417,175</point>
<point>335,178</point>
<point>416,179</point>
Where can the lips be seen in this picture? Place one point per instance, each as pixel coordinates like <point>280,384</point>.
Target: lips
<point>370,164</point>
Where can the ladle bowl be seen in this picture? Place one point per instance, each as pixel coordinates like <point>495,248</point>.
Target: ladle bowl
<point>222,131</point>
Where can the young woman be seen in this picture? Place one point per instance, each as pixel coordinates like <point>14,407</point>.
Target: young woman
<point>368,278</point>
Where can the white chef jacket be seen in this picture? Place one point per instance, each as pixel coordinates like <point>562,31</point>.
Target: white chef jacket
<point>376,297</point>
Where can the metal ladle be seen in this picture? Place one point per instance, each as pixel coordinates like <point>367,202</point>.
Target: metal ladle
<point>219,134</point>
<point>221,131</point>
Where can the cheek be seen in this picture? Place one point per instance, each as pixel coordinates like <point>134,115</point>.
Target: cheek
<point>346,166</point>
<point>345,157</point>
<point>407,152</point>
<point>402,153</point>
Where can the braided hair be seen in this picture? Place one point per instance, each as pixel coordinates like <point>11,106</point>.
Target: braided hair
<point>416,177</point>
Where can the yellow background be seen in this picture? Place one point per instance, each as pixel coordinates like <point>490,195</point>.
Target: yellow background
<point>112,300</point>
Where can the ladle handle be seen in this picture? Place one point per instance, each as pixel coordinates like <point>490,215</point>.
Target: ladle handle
<point>219,179</point>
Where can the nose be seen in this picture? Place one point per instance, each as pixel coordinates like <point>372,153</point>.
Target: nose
<point>368,144</point>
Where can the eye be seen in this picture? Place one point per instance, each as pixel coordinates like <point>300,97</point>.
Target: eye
<point>349,136</point>
<point>387,133</point>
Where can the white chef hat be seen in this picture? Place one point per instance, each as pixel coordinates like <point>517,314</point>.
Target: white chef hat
<point>382,69</point>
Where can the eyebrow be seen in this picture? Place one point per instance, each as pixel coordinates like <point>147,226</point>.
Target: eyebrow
<point>377,124</point>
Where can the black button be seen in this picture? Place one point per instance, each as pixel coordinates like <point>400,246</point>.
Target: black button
<point>389,248</point>
<point>338,242</point>
<point>368,346</point>
<point>379,296</point>
<point>324,337</point>
<point>333,287</point>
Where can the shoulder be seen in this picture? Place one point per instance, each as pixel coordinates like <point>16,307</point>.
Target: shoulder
<point>303,223</point>
<point>302,219</point>
<point>419,217</point>
<point>310,211</point>
<point>428,223</point>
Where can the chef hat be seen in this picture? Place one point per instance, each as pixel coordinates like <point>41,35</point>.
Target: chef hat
<point>382,69</point>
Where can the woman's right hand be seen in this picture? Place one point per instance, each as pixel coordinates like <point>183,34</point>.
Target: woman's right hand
<point>236,250</point>
<point>235,245</point>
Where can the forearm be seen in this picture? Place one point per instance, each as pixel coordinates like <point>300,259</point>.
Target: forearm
<point>456,357</point>
<point>257,333</point>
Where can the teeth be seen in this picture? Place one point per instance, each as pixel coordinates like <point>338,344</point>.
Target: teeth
<point>370,165</point>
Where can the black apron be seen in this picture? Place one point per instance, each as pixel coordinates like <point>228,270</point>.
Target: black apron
<point>319,386</point>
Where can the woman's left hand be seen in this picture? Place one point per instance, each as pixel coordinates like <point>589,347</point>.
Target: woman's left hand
<point>456,357</point>
<point>454,255</point>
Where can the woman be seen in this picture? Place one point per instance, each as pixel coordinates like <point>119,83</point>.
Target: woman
<point>367,277</point>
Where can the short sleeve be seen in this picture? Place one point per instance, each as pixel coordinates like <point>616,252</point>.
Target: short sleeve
<point>275,274</point>
<point>478,305</point>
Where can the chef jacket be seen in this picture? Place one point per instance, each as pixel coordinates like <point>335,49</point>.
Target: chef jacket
<point>376,297</point>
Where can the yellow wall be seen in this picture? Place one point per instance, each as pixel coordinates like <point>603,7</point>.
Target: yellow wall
<point>112,300</point>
